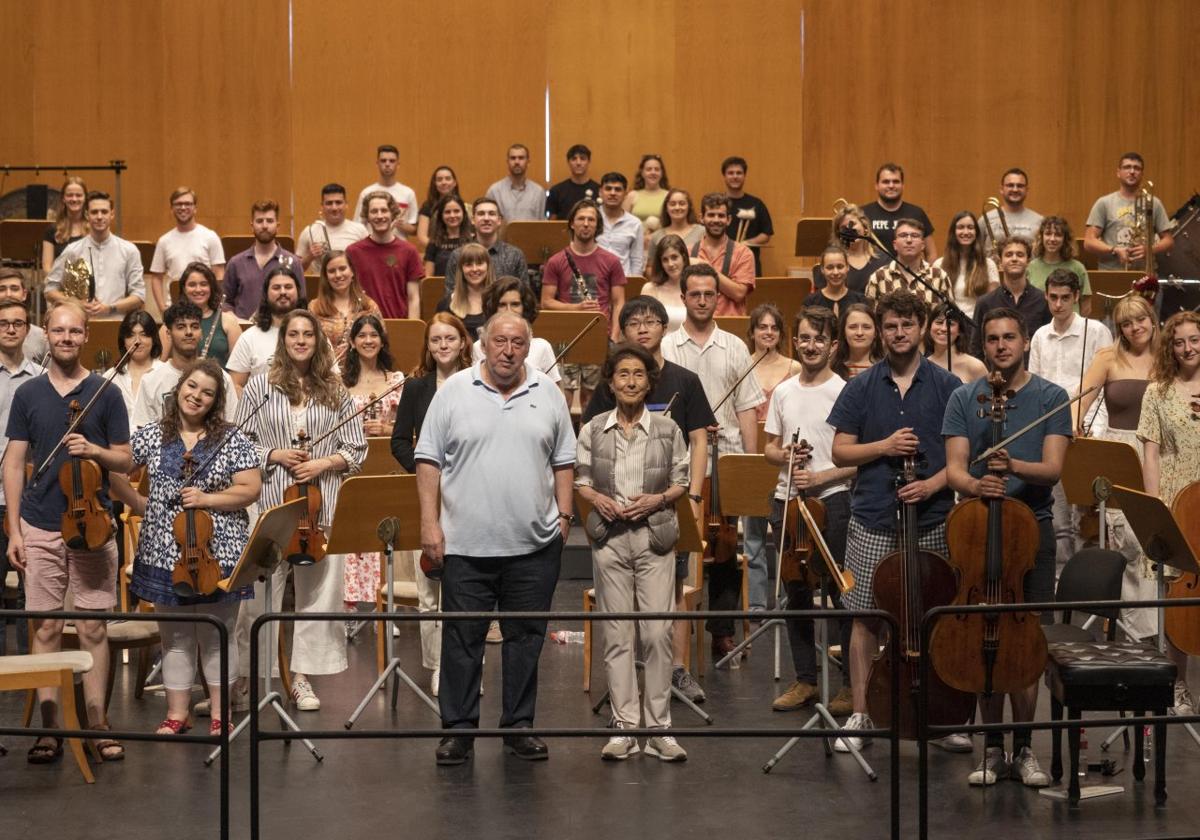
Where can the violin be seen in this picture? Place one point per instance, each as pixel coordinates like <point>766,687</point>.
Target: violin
<point>720,532</point>
<point>907,583</point>
<point>86,525</point>
<point>1181,625</point>
<point>993,545</point>
<point>196,571</point>
<point>795,560</point>
<point>308,543</point>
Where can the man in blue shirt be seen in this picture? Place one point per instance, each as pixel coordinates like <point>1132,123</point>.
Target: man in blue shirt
<point>891,411</point>
<point>1026,470</point>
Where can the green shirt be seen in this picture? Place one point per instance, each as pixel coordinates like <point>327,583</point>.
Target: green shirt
<point>1039,270</point>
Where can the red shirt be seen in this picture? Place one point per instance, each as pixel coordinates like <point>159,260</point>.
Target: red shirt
<point>601,271</point>
<point>385,270</point>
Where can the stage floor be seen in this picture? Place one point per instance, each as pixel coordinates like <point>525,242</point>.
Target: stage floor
<point>393,788</point>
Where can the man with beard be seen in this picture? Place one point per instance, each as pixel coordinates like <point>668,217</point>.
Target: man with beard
<point>253,351</point>
<point>891,410</point>
<point>890,208</point>
<point>388,268</point>
<point>507,260</point>
<point>332,231</point>
<point>801,405</point>
<point>186,243</point>
<point>1026,470</point>
<point>519,198</point>
<point>1014,292</point>
<point>500,424</point>
<point>583,277</point>
<point>182,320</point>
<point>732,261</point>
<point>245,272</point>
<point>909,242</point>
<point>34,512</point>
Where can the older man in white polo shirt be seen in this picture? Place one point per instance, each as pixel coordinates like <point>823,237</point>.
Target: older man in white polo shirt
<point>497,447</point>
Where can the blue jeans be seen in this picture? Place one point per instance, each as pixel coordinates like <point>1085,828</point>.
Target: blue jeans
<point>758,571</point>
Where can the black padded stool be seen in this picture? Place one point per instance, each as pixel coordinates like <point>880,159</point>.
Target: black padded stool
<point>1110,677</point>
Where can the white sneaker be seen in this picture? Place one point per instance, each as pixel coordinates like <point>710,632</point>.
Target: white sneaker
<point>1184,704</point>
<point>203,708</point>
<point>435,681</point>
<point>494,635</point>
<point>665,748</point>
<point>239,696</point>
<point>1026,768</point>
<point>303,696</point>
<point>856,721</point>
<point>958,742</point>
<point>993,766</point>
<point>619,748</point>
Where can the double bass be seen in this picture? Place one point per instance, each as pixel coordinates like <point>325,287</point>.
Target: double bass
<point>993,545</point>
<point>908,582</point>
<point>1183,624</point>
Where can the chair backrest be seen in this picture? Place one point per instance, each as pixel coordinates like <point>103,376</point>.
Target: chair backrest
<point>1093,574</point>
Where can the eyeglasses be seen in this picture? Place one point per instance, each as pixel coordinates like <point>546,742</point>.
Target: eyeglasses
<point>639,323</point>
<point>909,236</point>
<point>814,340</point>
<point>5,326</point>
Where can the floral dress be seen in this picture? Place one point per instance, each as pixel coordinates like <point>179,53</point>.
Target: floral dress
<point>362,570</point>
<point>1166,419</point>
<point>157,550</point>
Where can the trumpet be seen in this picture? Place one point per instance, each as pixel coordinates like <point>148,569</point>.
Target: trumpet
<point>1143,224</point>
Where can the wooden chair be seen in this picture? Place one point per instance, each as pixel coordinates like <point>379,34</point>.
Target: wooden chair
<point>633,286</point>
<point>100,351</point>
<point>131,636</point>
<point>689,540</point>
<point>379,459</point>
<point>30,672</point>
<point>737,325</point>
<point>747,485</point>
<point>1108,287</point>
<point>433,289</point>
<point>406,340</point>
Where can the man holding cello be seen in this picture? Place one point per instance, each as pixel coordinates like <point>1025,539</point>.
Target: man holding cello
<point>1026,470</point>
<point>40,541</point>
<point>799,408</point>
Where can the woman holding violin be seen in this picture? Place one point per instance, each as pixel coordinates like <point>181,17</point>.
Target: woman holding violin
<point>798,410</point>
<point>196,462</point>
<point>1170,436</point>
<point>294,408</point>
<point>368,375</point>
<point>1015,485</point>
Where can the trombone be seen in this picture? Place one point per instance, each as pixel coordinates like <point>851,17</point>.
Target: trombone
<point>992,203</point>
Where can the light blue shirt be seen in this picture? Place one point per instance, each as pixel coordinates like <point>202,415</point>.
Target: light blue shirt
<point>10,380</point>
<point>497,458</point>
<point>626,238</point>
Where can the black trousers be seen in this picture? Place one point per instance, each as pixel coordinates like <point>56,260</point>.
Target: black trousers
<point>18,603</point>
<point>724,593</point>
<point>479,584</point>
<point>801,633</point>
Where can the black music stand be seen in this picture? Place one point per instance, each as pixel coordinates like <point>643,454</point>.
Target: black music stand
<point>374,512</point>
<point>263,552</point>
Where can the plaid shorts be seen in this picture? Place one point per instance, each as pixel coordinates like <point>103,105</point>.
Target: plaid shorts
<point>865,547</point>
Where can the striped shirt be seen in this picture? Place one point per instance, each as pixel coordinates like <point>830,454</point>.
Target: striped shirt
<point>892,277</point>
<point>718,363</point>
<point>272,428</point>
<point>629,477</point>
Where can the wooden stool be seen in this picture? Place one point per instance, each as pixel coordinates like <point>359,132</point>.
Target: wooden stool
<point>50,670</point>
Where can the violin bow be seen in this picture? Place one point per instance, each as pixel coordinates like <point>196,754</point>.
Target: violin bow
<point>988,453</point>
<point>396,387</point>
<point>667,409</point>
<point>83,413</point>
<point>735,385</point>
<point>567,348</point>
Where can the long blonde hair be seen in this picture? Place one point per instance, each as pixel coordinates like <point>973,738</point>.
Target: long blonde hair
<point>321,383</point>
<point>472,253</point>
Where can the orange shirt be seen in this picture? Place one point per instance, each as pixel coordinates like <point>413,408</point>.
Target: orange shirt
<point>741,270</point>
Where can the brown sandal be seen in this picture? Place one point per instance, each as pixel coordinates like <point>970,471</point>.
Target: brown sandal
<point>110,749</point>
<point>45,753</point>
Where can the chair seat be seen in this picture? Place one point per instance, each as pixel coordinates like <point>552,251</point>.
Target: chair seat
<point>402,590</point>
<point>79,661</point>
<point>1110,675</point>
<point>1064,633</point>
<point>123,632</point>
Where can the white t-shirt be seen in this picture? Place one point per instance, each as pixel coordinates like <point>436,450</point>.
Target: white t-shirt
<point>339,237</point>
<point>158,384</point>
<point>175,250</point>
<point>541,356</point>
<point>795,406</point>
<point>253,351</point>
<point>405,197</point>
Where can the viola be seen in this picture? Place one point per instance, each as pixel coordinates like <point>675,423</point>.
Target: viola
<point>795,562</point>
<point>720,532</point>
<point>86,525</point>
<point>907,583</point>
<point>993,545</point>
<point>308,543</point>
<point>197,571</point>
<point>1182,626</point>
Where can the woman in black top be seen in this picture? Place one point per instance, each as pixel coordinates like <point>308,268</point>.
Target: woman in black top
<point>442,182</point>
<point>834,295</point>
<point>451,229</point>
<point>473,277</point>
<point>70,221</point>
<point>862,256</point>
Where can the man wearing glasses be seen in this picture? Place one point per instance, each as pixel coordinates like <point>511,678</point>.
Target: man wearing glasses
<point>910,250</point>
<point>35,348</point>
<point>187,242</point>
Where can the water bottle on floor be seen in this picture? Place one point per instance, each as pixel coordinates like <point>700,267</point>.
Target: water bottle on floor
<point>1147,743</point>
<point>567,637</point>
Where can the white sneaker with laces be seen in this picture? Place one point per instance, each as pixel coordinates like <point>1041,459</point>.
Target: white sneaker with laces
<point>303,696</point>
<point>957,742</point>
<point>993,766</point>
<point>665,748</point>
<point>619,748</point>
<point>1026,768</point>
<point>856,721</point>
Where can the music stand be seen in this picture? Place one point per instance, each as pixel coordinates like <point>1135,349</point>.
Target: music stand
<point>1163,542</point>
<point>406,339</point>
<point>263,552</point>
<point>1110,285</point>
<point>374,512</point>
<point>1090,469</point>
<point>537,239</point>
<point>102,339</point>
<point>689,541</point>
<point>560,327</point>
<point>812,235</point>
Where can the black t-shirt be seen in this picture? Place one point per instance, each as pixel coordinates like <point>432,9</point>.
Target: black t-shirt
<point>857,278</point>
<point>472,322</point>
<point>564,194</point>
<point>838,306</point>
<point>883,222</point>
<point>759,223</point>
<point>440,256</point>
<point>59,247</point>
<point>690,410</point>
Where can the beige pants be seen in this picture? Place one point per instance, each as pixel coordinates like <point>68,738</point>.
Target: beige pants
<point>630,576</point>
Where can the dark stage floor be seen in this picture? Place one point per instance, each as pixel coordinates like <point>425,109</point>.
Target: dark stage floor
<point>393,788</point>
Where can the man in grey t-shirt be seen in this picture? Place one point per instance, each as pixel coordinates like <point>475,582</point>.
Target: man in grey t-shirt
<point>1012,212</point>
<point>1113,226</point>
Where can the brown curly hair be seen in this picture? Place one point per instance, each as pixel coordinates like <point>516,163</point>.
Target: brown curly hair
<point>214,422</point>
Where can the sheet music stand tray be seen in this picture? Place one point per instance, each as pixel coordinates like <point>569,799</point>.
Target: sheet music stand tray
<point>560,327</point>
<point>380,512</point>
<point>1091,467</point>
<point>537,239</point>
<point>263,552</point>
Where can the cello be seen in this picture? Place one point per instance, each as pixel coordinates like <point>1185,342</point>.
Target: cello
<point>1182,626</point>
<point>196,571</point>
<point>993,545</point>
<point>795,562</point>
<point>908,582</point>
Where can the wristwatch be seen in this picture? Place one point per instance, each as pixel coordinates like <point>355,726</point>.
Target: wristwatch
<point>112,309</point>
<point>566,517</point>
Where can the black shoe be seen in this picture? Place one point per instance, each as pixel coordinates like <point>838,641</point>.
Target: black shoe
<point>454,749</point>
<point>527,747</point>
